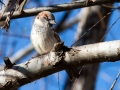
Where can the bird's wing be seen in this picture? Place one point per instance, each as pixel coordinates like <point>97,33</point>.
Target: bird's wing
<point>56,36</point>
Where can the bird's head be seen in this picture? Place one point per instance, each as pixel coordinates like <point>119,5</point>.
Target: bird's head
<point>45,18</point>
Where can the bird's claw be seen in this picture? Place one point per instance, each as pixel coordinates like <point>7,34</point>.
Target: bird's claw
<point>58,46</point>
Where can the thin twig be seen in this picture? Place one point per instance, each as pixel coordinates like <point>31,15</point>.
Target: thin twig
<point>58,81</point>
<point>60,25</point>
<point>21,5</point>
<point>56,8</point>
<point>110,28</point>
<point>111,88</point>
<point>93,26</point>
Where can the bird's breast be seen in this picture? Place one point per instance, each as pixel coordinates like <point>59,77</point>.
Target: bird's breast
<point>42,40</point>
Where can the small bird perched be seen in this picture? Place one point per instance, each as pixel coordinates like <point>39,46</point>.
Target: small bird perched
<point>43,37</point>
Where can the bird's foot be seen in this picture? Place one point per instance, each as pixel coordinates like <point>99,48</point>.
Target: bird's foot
<point>58,46</point>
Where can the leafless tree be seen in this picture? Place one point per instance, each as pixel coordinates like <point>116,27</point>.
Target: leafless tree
<point>14,76</point>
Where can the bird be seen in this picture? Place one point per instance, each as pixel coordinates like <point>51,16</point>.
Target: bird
<point>43,37</point>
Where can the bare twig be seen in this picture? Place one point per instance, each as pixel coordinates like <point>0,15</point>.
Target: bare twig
<point>56,8</point>
<point>93,26</point>
<point>7,21</point>
<point>111,88</point>
<point>21,5</point>
<point>7,6</point>
<point>8,63</point>
<point>16,7</point>
<point>58,81</point>
<point>110,28</point>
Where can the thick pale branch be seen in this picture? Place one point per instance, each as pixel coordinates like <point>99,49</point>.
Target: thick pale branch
<point>56,8</point>
<point>52,62</point>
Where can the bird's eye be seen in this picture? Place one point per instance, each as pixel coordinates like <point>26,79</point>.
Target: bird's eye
<point>50,25</point>
<point>45,18</point>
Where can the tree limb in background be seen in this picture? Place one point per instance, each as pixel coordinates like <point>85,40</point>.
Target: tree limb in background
<point>60,25</point>
<point>22,52</point>
<point>93,36</point>
<point>69,23</point>
<point>55,8</point>
<point>86,12</point>
<point>19,4</point>
<point>52,62</point>
<point>6,8</point>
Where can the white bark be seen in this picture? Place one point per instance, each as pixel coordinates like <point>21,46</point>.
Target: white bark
<point>19,54</point>
<point>52,62</point>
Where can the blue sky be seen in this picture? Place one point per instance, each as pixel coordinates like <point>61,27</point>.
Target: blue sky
<point>107,71</point>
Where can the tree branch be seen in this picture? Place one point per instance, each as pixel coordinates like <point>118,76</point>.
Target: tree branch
<point>52,62</point>
<point>56,8</point>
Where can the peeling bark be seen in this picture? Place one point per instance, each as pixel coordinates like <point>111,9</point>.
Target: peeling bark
<point>52,62</point>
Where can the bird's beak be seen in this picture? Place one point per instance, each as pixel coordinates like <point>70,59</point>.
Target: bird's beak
<point>52,22</point>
